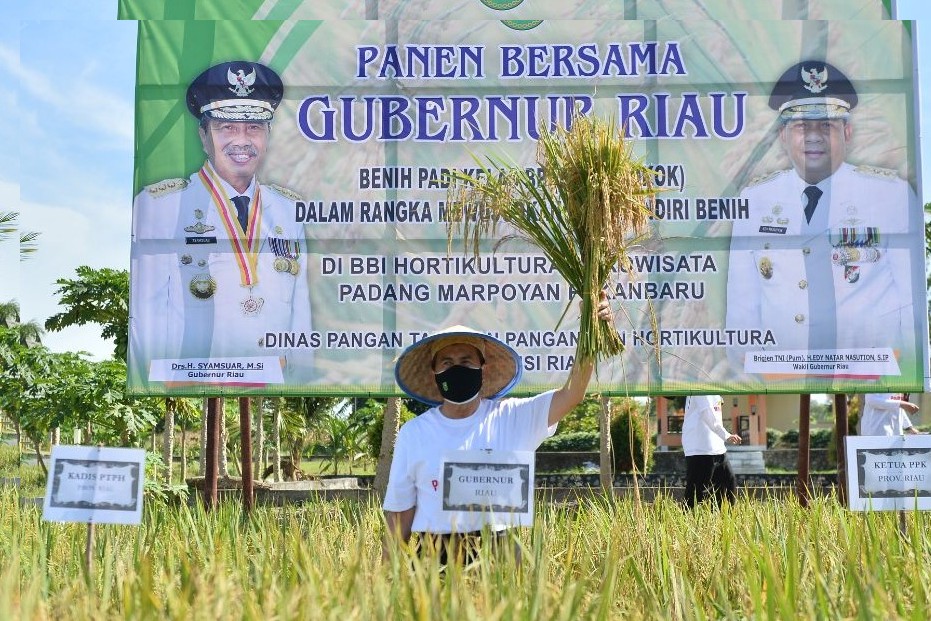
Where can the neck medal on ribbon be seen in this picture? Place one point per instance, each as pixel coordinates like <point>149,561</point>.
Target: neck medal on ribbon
<point>245,243</point>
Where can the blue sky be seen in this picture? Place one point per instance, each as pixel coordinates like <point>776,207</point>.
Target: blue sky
<point>70,83</point>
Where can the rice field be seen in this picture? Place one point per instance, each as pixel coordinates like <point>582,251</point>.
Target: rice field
<point>599,559</point>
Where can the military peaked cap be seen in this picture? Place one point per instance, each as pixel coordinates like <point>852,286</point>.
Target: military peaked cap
<point>813,89</point>
<point>235,91</point>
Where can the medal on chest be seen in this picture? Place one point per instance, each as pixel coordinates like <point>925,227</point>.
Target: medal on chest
<point>853,247</point>
<point>287,252</point>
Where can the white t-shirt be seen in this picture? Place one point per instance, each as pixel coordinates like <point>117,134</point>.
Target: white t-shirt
<point>703,431</point>
<point>507,424</point>
<point>883,416</point>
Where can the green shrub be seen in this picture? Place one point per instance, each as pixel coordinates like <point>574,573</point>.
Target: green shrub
<point>630,437</point>
<point>832,450</point>
<point>583,417</point>
<point>821,438</point>
<point>155,487</point>
<point>773,436</point>
<point>789,439</point>
<point>817,439</point>
<point>573,441</point>
<point>377,424</point>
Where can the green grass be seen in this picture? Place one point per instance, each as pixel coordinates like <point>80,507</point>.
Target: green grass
<point>599,559</point>
<point>31,478</point>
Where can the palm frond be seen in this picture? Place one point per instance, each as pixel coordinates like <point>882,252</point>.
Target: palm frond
<point>27,244</point>
<point>8,224</point>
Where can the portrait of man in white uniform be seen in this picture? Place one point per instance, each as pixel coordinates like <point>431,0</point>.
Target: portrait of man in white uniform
<point>823,259</point>
<point>219,262</point>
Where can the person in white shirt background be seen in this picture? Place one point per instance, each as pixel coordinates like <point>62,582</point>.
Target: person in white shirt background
<point>886,414</point>
<point>704,439</point>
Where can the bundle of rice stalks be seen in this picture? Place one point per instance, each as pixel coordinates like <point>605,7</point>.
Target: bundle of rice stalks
<point>593,204</point>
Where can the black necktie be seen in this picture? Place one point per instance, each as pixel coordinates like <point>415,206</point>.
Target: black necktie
<point>813,194</point>
<point>242,210</point>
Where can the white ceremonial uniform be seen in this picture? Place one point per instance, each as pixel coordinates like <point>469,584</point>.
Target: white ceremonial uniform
<point>844,280</point>
<point>182,248</point>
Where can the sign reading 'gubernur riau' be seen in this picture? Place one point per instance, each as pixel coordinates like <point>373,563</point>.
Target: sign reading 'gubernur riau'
<point>496,482</point>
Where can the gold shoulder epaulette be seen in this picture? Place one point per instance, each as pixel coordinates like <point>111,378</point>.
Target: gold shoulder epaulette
<point>764,178</point>
<point>289,194</point>
<point>876,171</point>
<point>167,186</point>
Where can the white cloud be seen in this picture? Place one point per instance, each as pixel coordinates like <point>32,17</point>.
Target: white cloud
<point>85,101</point>
<point>72,236</point>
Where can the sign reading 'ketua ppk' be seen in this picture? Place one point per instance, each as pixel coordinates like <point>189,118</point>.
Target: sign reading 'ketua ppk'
<point>886,473</point>
<point>95,484</point>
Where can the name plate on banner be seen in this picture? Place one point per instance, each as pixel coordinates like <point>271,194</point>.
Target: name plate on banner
<point>889,472</point>
<point>248,370</point>
<point>494,482</point>
<point>94,484</point>
<point>847,362</point>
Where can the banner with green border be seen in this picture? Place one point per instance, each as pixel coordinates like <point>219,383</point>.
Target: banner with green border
<point>375,110</point>
<point>682,10</point>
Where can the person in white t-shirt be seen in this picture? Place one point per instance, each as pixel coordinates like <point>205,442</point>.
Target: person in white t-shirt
<point>464,373</point>
<point>886,414</point>
<point>704,439</point>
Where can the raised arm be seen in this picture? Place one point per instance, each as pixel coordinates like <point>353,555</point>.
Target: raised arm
<point>572,393</point>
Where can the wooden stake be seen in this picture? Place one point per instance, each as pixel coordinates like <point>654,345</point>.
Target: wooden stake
<point>213,442</point>
<point>89,553</point>
<point>840,432</point>
<point>245,436</point>
<point>803,483</point>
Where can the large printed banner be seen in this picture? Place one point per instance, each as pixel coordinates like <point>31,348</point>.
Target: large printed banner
<point>529,10</point>
<point>734,290</point>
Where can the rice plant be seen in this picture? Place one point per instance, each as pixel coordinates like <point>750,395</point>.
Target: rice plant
<point>593,204</point>
<point>599,558</point>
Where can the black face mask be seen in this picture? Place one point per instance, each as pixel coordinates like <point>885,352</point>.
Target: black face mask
<point>459,384</point>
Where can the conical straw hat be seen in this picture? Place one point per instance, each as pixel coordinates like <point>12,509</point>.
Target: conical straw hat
<point>414,369</point>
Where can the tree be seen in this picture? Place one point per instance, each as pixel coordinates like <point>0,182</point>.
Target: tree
<point>9,314</point>
<point>176,410</point>
<point>22,391</point>
<point>15,337</point>
<point>928,248</point>
<point>583,417</point>
<point>299,415</point>
<point>633,446</point>
<point>297,418</point>
<point>29,334</point>
<point>119,417</point>
<point>344,436</point>
<point>98,296</point>
<point>391,423</point>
